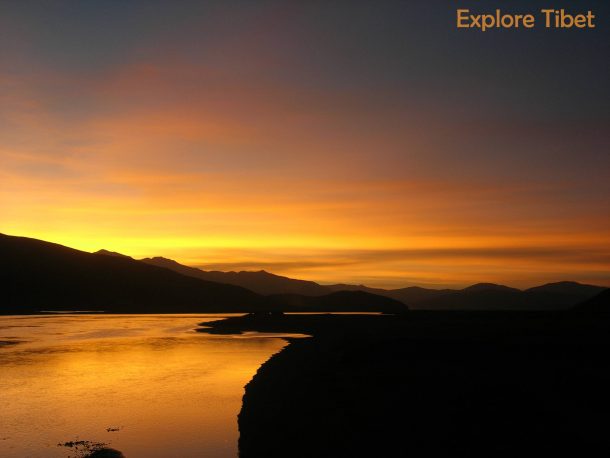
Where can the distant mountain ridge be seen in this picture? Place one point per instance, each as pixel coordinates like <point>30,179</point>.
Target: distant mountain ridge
<point>260,282</point>
<point>480,296</point>
<point>36,275</point>
<point>112,253</point>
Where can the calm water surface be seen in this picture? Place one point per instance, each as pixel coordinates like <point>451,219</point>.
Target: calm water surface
<point>172,392</point>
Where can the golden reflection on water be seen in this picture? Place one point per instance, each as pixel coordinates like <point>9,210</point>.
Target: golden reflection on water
<point>171,391</point>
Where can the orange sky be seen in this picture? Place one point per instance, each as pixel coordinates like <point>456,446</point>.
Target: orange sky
<point>229,166</point>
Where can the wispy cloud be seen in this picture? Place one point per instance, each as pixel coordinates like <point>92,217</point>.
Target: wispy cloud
<point>269,146</point>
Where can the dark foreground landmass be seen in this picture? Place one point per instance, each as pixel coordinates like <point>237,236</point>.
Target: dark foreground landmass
<point>429,384</point>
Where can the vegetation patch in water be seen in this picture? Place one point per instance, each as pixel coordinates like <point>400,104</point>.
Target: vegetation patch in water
<point>89,449</point>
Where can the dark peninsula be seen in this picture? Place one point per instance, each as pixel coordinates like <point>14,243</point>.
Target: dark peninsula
<point>449,384</point>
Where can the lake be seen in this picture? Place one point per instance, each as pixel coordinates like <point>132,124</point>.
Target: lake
<point>161,388</point>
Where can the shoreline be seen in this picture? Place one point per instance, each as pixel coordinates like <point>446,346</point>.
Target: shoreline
<point>423,384</point>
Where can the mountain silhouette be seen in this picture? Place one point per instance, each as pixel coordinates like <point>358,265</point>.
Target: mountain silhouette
<point>488,296</point>
<point>266,283</point>
<point>416,294</point>
<point>564,294</point>
<point>567,287</point>
<point>112,253</point>
<point>411,295</point>
<point>260,282</point>
<point>37,275</point>
<point>489,287</point>
<point>480,296</point>
<point>347,287</point>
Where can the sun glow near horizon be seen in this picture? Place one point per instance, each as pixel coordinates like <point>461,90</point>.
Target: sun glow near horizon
<point>453,265</point>
<point>261,141</point>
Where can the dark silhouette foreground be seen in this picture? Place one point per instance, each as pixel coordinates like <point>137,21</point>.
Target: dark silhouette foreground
<point>429,384</point>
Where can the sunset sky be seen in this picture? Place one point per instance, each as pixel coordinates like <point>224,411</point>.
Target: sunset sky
<point>341,141</point>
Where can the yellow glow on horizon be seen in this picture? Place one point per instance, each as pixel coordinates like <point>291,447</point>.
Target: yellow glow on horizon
<point>297,183</point>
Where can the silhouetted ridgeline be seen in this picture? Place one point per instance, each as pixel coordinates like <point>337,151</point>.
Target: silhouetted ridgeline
<point>488,296</point>
<point>482,296</point>
<point>448,384</point>
<point>260,282</point>
<point>40,275</point>
<point>37,275</point>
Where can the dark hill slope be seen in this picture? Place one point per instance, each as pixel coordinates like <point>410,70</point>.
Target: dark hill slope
<point>37,275</point>
<point>564,294</point>
<point>416,294</point>
<point>482,296</point>
<point>488,296</point>
<point>260,282</point>
<point>410,295</point>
